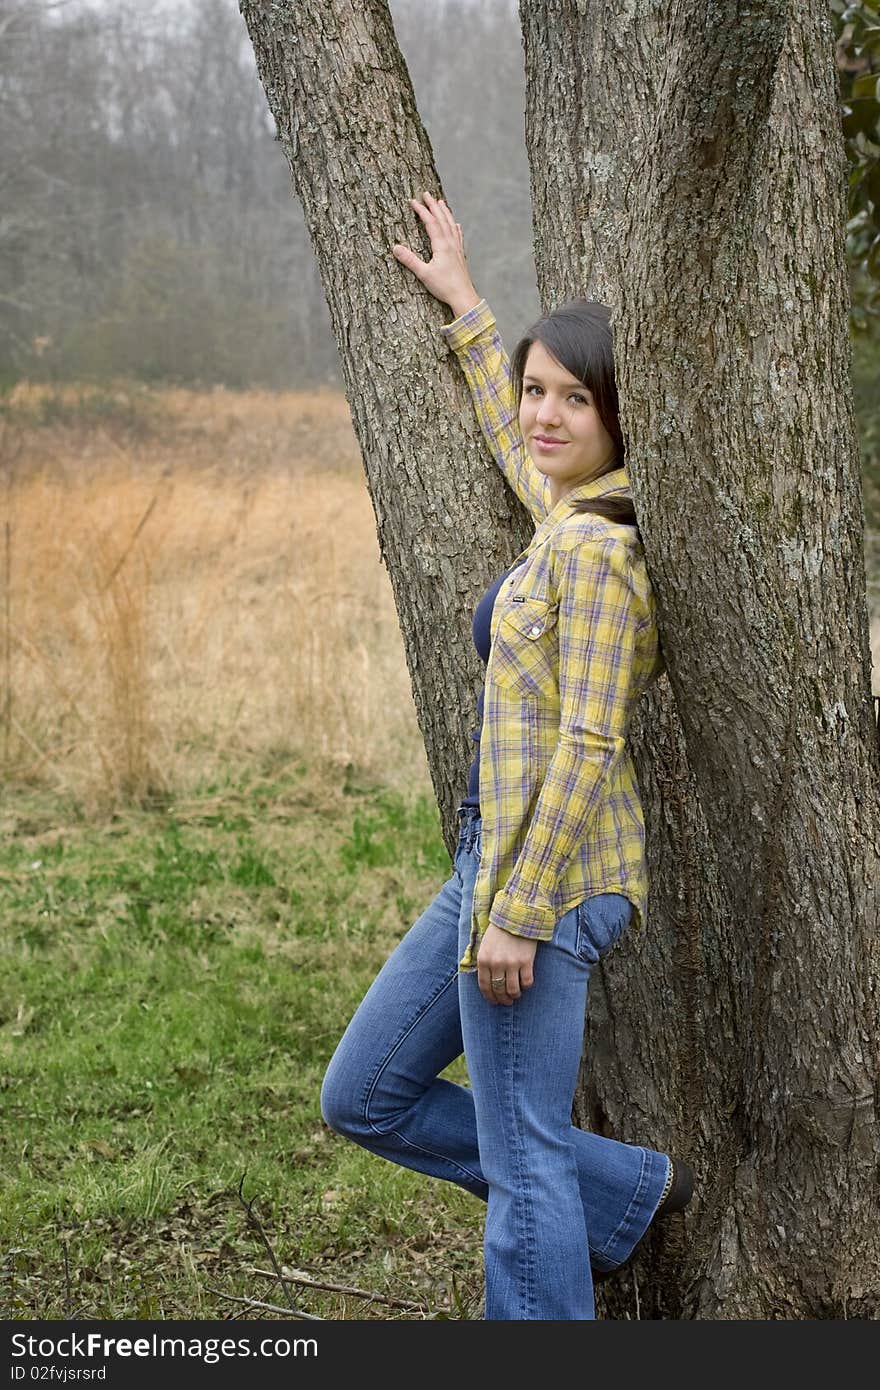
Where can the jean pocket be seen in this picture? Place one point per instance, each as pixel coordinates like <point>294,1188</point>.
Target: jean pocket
<point>602,920</point>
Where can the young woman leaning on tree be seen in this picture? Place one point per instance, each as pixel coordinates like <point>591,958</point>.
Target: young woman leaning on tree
<point>550,865</point>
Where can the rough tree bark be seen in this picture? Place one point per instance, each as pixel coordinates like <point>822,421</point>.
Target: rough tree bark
<point>593,93</point>
<point>340,93</point>
<point>741,1029</point>
<point>688,167</point>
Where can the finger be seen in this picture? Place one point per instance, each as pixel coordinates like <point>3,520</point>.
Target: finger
<point>444,212</point>
<point>409,258</point>
<point>510,990</point>
<point>455,230</point>
<point>435,226</point>
<point>492,996</point>
<point>425,213</point>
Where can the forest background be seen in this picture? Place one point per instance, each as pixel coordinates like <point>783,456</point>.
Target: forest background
<point>217,817</point>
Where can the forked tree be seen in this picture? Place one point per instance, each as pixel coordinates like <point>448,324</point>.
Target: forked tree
<point>687,167</point>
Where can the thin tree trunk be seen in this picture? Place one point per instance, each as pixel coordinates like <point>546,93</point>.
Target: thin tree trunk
<point>341,97</point>
<point>744,1028</point>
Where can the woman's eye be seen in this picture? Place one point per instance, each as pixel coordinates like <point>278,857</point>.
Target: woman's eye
<point>575,396</point>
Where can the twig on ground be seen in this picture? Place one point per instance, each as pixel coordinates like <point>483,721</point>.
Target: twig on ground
<point>270,1307</point>
<point>255,1221</point>
<point>346,1288</point>
<point>68,1294</point>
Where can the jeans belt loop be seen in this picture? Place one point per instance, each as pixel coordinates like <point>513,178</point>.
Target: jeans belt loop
<point>468,816</point>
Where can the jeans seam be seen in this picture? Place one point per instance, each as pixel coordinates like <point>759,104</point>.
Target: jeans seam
<point>522,1203</point>
<point>371,1088</point>
<point>634,1203</point>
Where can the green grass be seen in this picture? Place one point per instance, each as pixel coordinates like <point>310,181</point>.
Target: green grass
<point>172,985</point>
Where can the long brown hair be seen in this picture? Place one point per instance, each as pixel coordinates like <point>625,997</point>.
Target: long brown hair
<point>578,335</point>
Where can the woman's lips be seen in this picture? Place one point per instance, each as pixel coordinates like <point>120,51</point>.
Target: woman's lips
<point>550,445</point>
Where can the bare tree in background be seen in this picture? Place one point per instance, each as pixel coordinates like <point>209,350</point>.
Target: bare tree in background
<point>146,225</point>
<point>146,229</point>
<point>709,210</point>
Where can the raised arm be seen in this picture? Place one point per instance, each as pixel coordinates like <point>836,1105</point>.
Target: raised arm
<point>476,343</point>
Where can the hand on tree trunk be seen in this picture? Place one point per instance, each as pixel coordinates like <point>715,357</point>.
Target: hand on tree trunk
<point>446,275</point>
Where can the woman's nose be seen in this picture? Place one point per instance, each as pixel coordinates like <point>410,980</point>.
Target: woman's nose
<point>548,412</point>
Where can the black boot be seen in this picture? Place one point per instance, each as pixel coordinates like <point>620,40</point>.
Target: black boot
<point>681,1190</point>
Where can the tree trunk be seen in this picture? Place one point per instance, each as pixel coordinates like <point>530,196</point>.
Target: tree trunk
<point>592,92</point>
<point>701,182</point>
<point>342,100</point>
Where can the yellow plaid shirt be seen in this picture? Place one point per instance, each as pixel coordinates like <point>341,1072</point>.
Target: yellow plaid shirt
<point>574,645</point>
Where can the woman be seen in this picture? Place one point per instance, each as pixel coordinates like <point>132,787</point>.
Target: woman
<point>549,867</point>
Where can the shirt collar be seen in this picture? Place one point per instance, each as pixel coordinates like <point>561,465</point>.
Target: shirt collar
<point>615,483</point>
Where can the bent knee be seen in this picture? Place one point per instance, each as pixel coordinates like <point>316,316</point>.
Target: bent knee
<point>343,1106</point>
<point>357,1107</point>
<point>337,1108</point>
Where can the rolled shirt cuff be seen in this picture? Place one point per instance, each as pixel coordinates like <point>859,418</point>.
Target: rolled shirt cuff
<point>468,326</point>
<point>532,920</point>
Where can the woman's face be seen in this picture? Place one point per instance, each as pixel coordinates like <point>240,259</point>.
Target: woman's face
<point>560,424</point>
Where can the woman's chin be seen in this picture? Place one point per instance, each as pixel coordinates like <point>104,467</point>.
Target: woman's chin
<point>542,463</point>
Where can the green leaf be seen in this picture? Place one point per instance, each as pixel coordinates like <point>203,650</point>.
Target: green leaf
<point>868,85</point>
<point>860,116</point>
<point>871,182</point>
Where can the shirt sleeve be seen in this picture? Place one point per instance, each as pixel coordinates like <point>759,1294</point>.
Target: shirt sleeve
<point>597,625</point>
<point>477,344</point>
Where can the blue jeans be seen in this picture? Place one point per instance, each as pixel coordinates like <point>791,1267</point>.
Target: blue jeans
<point>559,1198</point>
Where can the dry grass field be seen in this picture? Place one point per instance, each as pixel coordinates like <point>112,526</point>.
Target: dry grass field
<point>191,579</point>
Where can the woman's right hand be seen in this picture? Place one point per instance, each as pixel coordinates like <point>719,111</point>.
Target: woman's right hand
<point>445,275</point>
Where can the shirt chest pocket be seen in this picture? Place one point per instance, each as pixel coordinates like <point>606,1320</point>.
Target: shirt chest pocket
<point>525,653</point>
